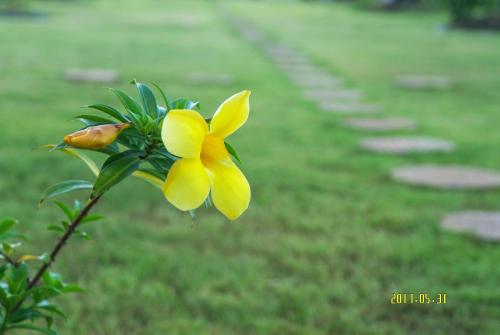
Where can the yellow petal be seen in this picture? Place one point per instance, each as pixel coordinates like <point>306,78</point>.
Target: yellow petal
<point>187,185</point>
<point>230,189</point>
<point>183,132</point>
<point>231,115</point>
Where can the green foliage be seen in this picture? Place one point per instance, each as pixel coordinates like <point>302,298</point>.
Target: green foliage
<point>15,289</point>
<point>65,187</point>
<point>466,12</point>
<point>13,6</point>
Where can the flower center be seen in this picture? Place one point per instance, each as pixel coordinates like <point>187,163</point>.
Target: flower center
<point>213,150</point>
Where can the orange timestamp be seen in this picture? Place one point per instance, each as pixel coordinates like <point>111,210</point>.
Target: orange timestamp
<point>418,298</point>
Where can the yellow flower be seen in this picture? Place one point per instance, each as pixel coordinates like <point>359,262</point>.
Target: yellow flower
<point>205,165</point>
<point>95,137</point>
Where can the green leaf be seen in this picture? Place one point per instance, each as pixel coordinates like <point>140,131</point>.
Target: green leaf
<point>72,288</point>
<point>149,177</point>
<point>208,202</point>
<point>52,309</point>
<point>127,153</point>
<point>110,111</point>
<point>45,331</point>
<point>93,119</point>
<point>64,187</point>
<point>163,152</point>
<point>163,95</point>
<point>75,153</point>
<point>67,211</point>
<point>115,169</point>
<point>24,314</point>
<point>183,103</point>
<point>148,99</point>
<point>7,224</point>
<point>130,104</point>
<point>17,278</point>
<point>232,151</point>
<point>3,295</point>
<point>93,217</point>
<point>53,279</point>
<point>6,248</point>
<point>82,234</point>
<point>161,164</point>
<point>53,227</point>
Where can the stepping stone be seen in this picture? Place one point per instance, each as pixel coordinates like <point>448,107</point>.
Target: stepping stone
<point>316,81</point>
<point>484,224</point>
<point>301,69</point>
<point>91,76</point>
<point>251,34</point>
<point>423,82</point>
<point>406,145</point>
<point>381,124</point>
<point>447,177</point>
<point>280,51</point>
<point>333,94</point>
<point>349,107</point>
<point>288,61</point>
<point>210,78</point>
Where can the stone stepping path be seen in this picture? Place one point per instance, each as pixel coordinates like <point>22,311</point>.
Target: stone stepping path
<point>315,82</point>
<point>447,177</point>
<point>406,145</point>
<point>423,82</point>
<point>210,78</point>
<point>287,62</point>
<point>340,94</point>
<point>101,76</point>
<point>251,33</point>
<point>318,83</point>
<point>483,224</point>
<point>280,50</point>
<point>381,124</point>
<point>348,107</point>
<point>304,70</point>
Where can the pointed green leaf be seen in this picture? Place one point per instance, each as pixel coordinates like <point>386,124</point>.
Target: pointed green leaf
<point>110,111</point>
<point>115,169</point>
<point>92,218</point>
<point>65,187</point>
<point>52,309</point>
<point>7,224</point>
<point>67,211</point>
<point>147,98</point>
<point>130,104</point>
<point>53,227</point>
<point>93,119</point>
<point>149,177</point>
<point>166,100</point>
<point>75,153</point>
<point>183,103</point>
<point>232,151</point>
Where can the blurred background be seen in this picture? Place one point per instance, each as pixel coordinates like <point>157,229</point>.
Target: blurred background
<point>329,236</point>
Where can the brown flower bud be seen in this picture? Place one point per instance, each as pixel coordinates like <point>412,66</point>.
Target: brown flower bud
<point>95,137</point>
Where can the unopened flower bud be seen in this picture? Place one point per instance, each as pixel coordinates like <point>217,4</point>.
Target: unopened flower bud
<point>95,137</point>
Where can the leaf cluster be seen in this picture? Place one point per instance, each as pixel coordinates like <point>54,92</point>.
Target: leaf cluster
<point>23,306</point>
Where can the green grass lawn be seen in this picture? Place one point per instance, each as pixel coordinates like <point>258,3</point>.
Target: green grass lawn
<point>328,238</point>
